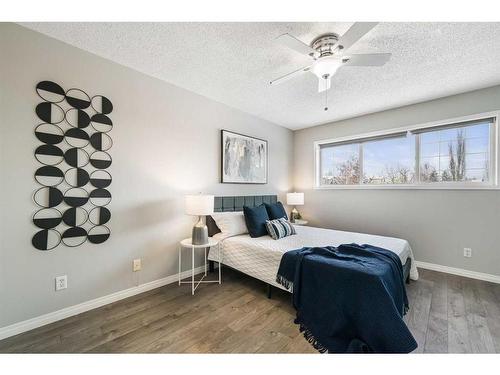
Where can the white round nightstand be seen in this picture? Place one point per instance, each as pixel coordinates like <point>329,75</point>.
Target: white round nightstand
<point>186,243</point>
<point>300,222</point>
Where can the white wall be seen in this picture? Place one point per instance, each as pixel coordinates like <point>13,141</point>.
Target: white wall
<point>166,144</point>
<point>437,223</point>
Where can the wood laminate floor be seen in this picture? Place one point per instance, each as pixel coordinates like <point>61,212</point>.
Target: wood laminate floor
<point>448,314</point>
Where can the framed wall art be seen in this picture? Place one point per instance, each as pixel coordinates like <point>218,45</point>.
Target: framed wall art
<point>243,159</point>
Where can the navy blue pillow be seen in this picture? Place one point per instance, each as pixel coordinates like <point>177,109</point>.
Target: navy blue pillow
<point>255,218</point>
<point>276,211</point>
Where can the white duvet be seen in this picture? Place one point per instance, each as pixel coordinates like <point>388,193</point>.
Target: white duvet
<point>260,257</point>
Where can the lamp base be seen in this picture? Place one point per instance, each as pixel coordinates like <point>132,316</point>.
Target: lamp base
<point>294,215</point>
<point>199,235</point>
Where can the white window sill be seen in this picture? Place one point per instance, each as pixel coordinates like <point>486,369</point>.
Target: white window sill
<point>409,187</point>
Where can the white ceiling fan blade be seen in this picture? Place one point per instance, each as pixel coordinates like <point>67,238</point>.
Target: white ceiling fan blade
<point>355,33</point>
<point>290,75</point>
<point>291,42</point>
<point>368,59</point>
<point>324,84</point>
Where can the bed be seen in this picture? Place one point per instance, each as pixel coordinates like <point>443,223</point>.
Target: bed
<point>260,257</point>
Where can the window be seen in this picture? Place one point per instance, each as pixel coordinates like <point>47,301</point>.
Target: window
<point>389,161</point>
<point>340,165</point>
<point>453,154</point>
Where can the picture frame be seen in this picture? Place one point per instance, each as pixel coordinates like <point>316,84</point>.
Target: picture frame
<point>244,159</point>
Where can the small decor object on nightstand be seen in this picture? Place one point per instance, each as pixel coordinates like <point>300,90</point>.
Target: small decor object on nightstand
<point>300,222</point>
<point>200,205</point>
<point>187,243</point>
<point>295,199</point>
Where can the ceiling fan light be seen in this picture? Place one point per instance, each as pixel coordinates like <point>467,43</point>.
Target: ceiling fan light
<point>326,66</point>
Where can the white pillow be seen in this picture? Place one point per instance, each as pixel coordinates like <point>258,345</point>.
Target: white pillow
<point>230,223</point>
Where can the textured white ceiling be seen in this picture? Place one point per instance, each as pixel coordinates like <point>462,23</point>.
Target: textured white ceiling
<point>234,62</point>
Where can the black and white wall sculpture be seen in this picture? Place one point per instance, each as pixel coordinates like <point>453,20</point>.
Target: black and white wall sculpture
<point>73,175</point>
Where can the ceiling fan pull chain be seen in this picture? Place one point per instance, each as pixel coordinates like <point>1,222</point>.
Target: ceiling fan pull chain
<point>326,95</point>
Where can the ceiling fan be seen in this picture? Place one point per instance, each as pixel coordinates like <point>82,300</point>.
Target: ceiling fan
<point>329,54</point>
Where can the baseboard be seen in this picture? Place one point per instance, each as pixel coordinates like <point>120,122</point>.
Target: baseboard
<point>459,272</point>
<point>27,325</point>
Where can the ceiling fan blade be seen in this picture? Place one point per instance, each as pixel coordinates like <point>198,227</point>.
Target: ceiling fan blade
<point>290,75</point>
<point>292,42</point>
<point>368,59</point>
<point>355,33</point>
<point>324,84</point>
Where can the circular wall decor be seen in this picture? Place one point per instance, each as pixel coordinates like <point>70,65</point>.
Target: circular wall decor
<point>48,197</point>
<point>46,239</point>
<point>100,159</point>
<point>76,157</point>
<point>76,197</point>
<point>76,137</point>
<point>50,91</point>
<point>77,118</point>
<point>98,234</point>
<point>74,236</point>
<point>49,133</point>
<point>49,176</point>
<point>77,98</point>
<point>75,216</point>
<point>49,154</point>
<point>100,197</point>
<point>99,215</point>
<point>47,218</point>
<point>101,123</point>
<point>101,104</point>
<point>49,112</point>
<point>76,177</point>
<point>101,141</point>
<point>100,179</point>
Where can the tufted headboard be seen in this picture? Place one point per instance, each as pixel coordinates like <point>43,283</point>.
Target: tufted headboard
<point>236,203</point>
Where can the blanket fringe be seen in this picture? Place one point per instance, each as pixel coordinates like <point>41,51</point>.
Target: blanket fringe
<point>285,282</point>
<point>308,335</point>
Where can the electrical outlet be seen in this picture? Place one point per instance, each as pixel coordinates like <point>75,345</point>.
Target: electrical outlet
<point>137,266</point>
<point>61,282</point>
<point>467,252</point>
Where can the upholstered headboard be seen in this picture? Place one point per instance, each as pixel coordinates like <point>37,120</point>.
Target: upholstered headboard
<point>236,203</point>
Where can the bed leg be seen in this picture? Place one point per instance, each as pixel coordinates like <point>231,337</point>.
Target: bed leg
<point>211,267</point>
<point>269,291</point>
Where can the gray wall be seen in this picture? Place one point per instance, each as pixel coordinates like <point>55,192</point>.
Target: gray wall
<point>437,223</point>
<point>166,144</point>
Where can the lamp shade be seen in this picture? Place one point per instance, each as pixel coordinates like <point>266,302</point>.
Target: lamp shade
<point>295,199</point>
<point>199,204</point>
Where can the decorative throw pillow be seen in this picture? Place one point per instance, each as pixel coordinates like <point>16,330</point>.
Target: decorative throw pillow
<point>276,211</point>
<point>230,223</point>
<point>279,228</point>
<point>255,218</point>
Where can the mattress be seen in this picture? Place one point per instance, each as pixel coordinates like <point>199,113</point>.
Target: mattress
<point>260,257</point>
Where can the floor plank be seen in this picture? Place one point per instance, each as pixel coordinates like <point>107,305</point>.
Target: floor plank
<point>447,314</point>
<point>492,309</point>
<point>436,337</point>
<point>418,315</point>
<point>479,332</point>
<point>458,330</point>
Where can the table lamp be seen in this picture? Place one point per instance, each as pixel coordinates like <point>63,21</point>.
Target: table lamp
<point>199,205</point>
<point>294,199</point>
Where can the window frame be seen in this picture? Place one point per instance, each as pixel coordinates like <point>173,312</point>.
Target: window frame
<point>493,171</point>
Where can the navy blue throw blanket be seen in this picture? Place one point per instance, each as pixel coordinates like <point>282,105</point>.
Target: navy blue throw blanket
<point>349,299</point>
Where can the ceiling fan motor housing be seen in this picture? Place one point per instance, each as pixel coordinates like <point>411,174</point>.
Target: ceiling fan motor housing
<point>326,44</point>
